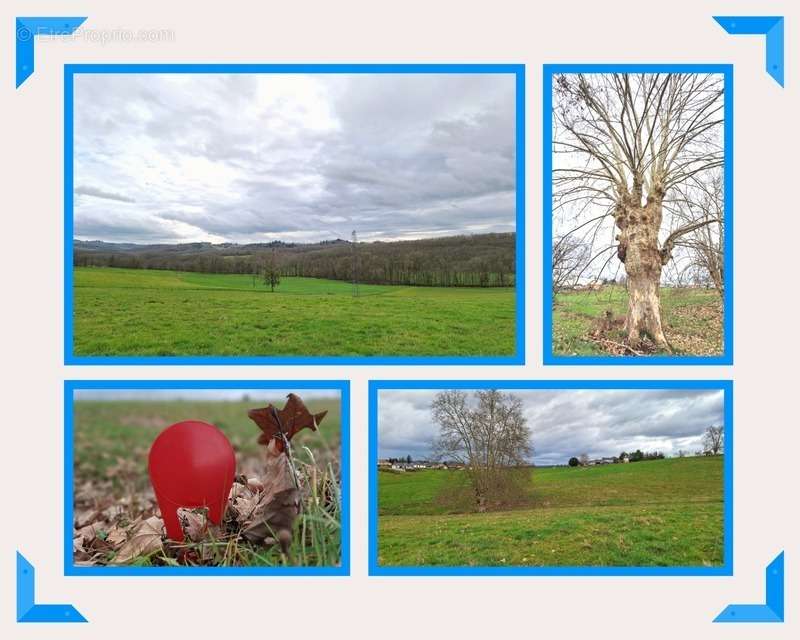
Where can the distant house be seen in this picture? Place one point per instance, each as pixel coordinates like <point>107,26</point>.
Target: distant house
<point>606,460</point>
<point>452,464</point>
<point>403,465</point>
<point>591,286</point>
<point>625,458</point>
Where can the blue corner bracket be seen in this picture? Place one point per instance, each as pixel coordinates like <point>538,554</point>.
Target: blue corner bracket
<point>771,610</point>
<point>28,610</point>
<point>769,26</point>
<point>28,29</point>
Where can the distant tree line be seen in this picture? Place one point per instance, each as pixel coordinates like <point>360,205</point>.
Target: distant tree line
<point>486,260</point>
<point>638,455</point>
<point>583,459</point>
<point>713,439</point>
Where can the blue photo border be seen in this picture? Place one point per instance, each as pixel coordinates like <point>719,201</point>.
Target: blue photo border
<point>343,386</point>
<point>548,70</point>
<point>517,70</point>
<point>726,569</point>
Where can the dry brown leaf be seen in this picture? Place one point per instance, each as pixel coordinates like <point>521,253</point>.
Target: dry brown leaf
<point>244,506</point>
<point>116,536</point>
<point>277,506</point>
<point>113,512</point>
<point>254,484</point>
<point>274,518</point>
<point>294,417</point>
<point>84,517</point>
<point>144,541</point>
<point>99,544</point>
<point>89,532</point>
<point>238,489</point>
<point>194,523</point>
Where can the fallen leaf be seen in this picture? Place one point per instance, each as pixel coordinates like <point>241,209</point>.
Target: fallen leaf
<point>254,484</point>
<point>145,540</point>
<point>277,506</point>
<point>292,418</point>
<point>89,532</point>
<point>244,506</point>
<point>116,536</point>
<point>194,523</point>
<point>85,517</point>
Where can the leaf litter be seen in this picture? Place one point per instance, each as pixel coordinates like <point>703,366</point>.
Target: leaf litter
<point>262,509</point>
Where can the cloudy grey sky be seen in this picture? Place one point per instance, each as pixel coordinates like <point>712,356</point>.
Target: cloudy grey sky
<point>568,422</point>
<point>296,157</point>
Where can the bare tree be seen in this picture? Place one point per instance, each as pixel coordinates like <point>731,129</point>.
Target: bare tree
<point>270,271</point>
<point>489,437</point>
<point>701,199</point>
<point>625,144</point>
<point>583,459</point>
<point>569,258</point>
<point>713,439</point>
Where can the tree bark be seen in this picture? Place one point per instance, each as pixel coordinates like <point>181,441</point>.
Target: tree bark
<point>638,249</point>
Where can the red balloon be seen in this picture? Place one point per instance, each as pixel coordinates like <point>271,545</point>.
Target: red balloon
<point>191,465</point>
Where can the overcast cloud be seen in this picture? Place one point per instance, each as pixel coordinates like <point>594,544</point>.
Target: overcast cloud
<point>568,422</point>
<point>304,158</point>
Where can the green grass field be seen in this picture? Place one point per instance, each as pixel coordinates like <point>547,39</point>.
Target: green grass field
<point>693,320</point>
<point>654,513</point>
<point>111,444</point>
<point>166,313</point>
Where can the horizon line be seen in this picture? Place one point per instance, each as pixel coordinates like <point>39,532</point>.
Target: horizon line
<point>284,242</point>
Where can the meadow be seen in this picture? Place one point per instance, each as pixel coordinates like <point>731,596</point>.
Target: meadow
<point>655,513</point>
<point>111,487</point>
<point>130,312</point>
<point>692,318</point>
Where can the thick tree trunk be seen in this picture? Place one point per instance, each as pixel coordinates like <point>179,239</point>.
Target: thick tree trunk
<point>639,251</point>
<point>644,311</point>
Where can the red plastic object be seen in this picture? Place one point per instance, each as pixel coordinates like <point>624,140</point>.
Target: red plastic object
<point>191,465</point>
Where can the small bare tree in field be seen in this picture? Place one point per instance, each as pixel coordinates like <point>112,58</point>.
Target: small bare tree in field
<point>714,440</point>
<point>270,271</point>
<point>490,437</point>
<point>625,146</point>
